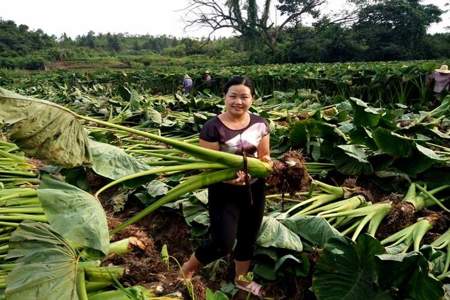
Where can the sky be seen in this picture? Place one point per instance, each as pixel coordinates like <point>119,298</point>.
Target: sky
<point>154,17</point>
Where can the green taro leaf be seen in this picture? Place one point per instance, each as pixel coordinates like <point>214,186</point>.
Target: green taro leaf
<point>347,270</point>
<point>44,130</point>
<point>392,143</point>
<point>315,230</point>
<point>429,153</point>
<point>217,295</point>
<point>154,116</point>
<point>364,115</point>
<point>157,188</point>
<point>113,162</point>
<point>265,270</point>
<point>275,234</point>
<point>46,266</point>
<point>74,214</point>
<point>352,160</point>
<point>409,274</point>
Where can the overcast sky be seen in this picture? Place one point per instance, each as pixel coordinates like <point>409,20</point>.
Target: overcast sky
<point>155,17</point>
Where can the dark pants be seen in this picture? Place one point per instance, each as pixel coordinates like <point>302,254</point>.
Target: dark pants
<point>232,216</point>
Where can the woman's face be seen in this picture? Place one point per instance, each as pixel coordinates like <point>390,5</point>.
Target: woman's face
<point>238,99</point>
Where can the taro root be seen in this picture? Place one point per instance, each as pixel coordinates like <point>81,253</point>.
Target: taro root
<point>289,174</point>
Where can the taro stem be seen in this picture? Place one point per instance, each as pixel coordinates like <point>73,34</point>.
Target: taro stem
<point>190,184</point>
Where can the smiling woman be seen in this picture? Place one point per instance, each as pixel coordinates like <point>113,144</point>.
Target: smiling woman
<point>236,207</point>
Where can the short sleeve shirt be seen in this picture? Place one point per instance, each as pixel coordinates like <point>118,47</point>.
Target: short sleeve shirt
<point>236,141</point>
<point>442,82</point>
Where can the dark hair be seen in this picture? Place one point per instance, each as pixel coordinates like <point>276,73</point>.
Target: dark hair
<point>237,80</point>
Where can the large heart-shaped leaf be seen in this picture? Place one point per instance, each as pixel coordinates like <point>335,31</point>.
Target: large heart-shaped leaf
<point>113,162</point>
<point>313,229</point>
<point>347,270</point>
<point>392,143</point>
<point>352,160</point>
<point>364,115</point>
<point>46,266</point>
<point>275,234</point>
<point>74,214</point>
<point>409,274</point>
<point>44,130</point>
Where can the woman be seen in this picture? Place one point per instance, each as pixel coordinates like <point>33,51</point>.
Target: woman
<point>235,210</point>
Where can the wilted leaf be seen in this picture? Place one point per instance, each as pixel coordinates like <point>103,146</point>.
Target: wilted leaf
<point>113,162</point>
<point>47,265</point>
<point>74,214</point>
<point>44,130</point>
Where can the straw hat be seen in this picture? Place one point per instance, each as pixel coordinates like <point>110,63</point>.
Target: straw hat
<point>443,69</point>
<point>207,72</point>
<point>186,76</point>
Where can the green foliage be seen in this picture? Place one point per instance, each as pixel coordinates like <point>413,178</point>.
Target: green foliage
<point>34,243</point>
<point>395,29</point>
<point>383,30</point>
<point>362,270</point>
<point>44,130</point>
<point>112,162</point>
<point>66,204</point>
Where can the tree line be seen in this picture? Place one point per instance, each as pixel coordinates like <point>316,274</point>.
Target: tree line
<point>372,30</point>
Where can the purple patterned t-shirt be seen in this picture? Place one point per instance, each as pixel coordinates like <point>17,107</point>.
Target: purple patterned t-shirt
<point>236,141</point>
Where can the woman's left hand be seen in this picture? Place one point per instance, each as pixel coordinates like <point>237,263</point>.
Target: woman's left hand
<point>267,159</point>
<point>240,178</point>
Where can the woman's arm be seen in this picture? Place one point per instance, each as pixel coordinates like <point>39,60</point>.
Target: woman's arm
<point>209,145</point>
<point>264,149</point>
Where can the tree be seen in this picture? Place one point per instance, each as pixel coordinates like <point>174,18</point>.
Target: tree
<point>87,40</point>
<point>252,22</point>
<point>113,42</point>
<point>395,29</point>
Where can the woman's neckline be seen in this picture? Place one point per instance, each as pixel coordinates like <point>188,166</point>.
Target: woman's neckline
<point>244,127</point>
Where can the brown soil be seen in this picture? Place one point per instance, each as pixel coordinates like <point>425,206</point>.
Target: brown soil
<point>440,221</point>
<point>289,174</point>
<point>352,187</point>
<point>401,215</point>
<point>143,264</point>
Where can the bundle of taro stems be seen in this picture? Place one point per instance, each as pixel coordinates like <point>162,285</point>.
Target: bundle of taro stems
<point>350,210</point>
<point>19,201</point>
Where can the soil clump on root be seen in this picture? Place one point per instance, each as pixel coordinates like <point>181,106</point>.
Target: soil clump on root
<point>289,174</point>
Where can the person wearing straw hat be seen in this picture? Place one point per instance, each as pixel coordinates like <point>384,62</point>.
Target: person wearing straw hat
<point>187,84</point>
<point>439,80</point>
<point>207,80</point>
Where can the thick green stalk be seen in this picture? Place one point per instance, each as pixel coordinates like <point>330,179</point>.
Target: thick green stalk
<point>189,185</point>
<point>256,167</point>
<point>21,217</point>
<point>92,286</point>
<point>331,189</point>
<point>343,205</point>
<point>442,241</point>
<point>121,247</point>
<point>315,201</point>
<point>21,210</point>
<point>424,199</point>
<point>103,273</point>
<point>434,200</point>
<point>81,285</point>
<point>19,194</point>
<point>171,157</point>
<point>186,167</point>
<point>374,219</point>
<point>411,235</point>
